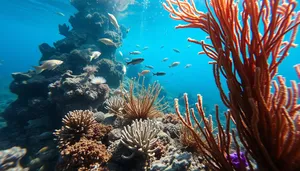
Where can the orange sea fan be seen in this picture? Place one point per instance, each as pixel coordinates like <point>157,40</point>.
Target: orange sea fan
<point>246,49</point>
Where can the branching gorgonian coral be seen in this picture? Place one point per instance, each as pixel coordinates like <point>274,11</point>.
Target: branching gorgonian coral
<point>140,137</point>
<point>247,48</point>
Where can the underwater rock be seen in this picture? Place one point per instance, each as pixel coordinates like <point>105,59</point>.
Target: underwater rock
<point>91,22</point>
<point>10,159</point>
<point>64,30</point>
<point>108,69</point>
<point>36,86</point>
<point>77,92</point>
<point>115,134</point>
<point>19,76</point>
<point>73,41</point>
<point>23,110</point>
<point>46,51</point>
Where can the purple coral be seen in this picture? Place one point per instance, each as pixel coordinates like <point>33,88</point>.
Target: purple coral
<point>238,163</point>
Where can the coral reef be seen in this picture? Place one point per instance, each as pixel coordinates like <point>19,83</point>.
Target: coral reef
<point>78,142</point>
<point>84,155</point>
<point>140,137</point>
<point>77,92</point>
<point>115,104</point>
<point>76,124</point>
<point>141,102</point>
<point>10,159</point>
<point>44,98</point>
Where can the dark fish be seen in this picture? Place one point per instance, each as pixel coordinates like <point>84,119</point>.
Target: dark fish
<point>162,46</point>
<point>176,50</point>
<point>159,73</point>
<point>149,66</point>
<point>135,61</point>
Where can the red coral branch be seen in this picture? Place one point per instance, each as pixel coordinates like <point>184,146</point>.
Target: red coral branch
<point>246,50</point>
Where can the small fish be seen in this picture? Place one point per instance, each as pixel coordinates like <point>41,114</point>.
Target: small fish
<point>98,80</point>
<point>47,65</point>
<point>135,53</point>
<point>159,73</point>
<point>113,20</point>
<point>149,66</point>
<point>188,65</point>
<point>95,55</point>
<point>162,46</point>
<point>176,50</point>
<point>174,64</point>
<point>165,59</point>
<point>135,61</point>
<point>144,72</point>
<point>137,46</point>
<point>126,59</point>
<point>60,13</point>
<point>124,69</point>
<point>42,150</point>
<point>145,48</point>
<point>128,30</point>
<point>121,54</point>
<point>188,46</point>
<point>108,42</point>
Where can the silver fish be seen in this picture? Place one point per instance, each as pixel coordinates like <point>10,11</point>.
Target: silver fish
<point>48,65</point>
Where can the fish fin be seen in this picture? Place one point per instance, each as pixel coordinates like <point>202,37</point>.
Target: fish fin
<point>127,63</point>
<point>42,62</point>
<point>38,69</point>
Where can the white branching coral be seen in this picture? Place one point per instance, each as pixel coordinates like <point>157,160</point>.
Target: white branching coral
<point>140,137</point>
<point>115,104</point>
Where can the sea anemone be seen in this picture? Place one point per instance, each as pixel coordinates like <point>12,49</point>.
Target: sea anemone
<point>98,80</point>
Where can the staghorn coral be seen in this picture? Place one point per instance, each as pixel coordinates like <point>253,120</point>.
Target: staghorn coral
<point>248,57</point>
<point>140,137</point>
<point>77,124</point>
<point>84,155</point>
<point>141,102</point>
<point>115,104</point>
